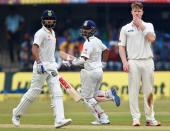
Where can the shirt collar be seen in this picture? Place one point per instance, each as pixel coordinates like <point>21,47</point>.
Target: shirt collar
<point>131,23</point>
<point>92,37</point>
<point>46,29</point>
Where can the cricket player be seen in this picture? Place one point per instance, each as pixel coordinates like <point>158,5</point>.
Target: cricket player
<point>92,74</point>
<point>135,41</point>
<point>43,50</point>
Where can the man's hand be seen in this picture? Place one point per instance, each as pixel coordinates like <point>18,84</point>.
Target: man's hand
<point>40,68</point>
<point>66,63</point>
<point>126,67</point>
<point>138,23</point>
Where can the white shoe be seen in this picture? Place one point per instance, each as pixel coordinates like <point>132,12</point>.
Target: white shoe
<point>64,122</point>
<point>15,119</point>
<point>153,123</point>
<point>103,120</point>
<point>136,123</point>
<point>97,122</point>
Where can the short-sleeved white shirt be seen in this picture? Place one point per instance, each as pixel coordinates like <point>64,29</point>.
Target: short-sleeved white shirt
<point>47,43</point>
<point>92,50</point>
<point>137,46</point>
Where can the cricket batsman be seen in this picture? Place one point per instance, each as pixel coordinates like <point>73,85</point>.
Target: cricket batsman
<point>92,74</point>
<point>43,50</point>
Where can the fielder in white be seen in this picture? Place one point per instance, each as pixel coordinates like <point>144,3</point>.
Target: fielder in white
<point>92,74</point>
<point>43,50</point>
<point>135,41</point>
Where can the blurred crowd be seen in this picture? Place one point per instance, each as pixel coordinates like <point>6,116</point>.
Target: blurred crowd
<point>19,41</point>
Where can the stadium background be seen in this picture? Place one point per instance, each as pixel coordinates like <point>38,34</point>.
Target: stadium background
<point>23,16</point>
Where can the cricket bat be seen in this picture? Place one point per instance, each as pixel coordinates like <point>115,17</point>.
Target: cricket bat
<point>69,89</point>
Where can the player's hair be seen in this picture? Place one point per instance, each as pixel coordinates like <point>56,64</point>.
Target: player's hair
<point>136,5</point>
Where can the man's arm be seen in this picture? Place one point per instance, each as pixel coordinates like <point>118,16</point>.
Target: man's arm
<point>105,55</point>
<point>148,35</point>
<point>79,61</point>
<point>122,53</point>
<point>35,53</point>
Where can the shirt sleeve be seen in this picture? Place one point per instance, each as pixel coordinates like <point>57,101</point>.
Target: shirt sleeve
<point>122,37</point>
<point>38,38</point>
<point>103,46</point>
<point>87,50</point>
<point>149,29</point>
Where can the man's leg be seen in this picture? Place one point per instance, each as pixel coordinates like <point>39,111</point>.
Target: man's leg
<point>134,78</point>
<point>148,83</point>
<point>97,111</point>
<point>89,82</point>
<point>109,94</point>
<point>57,102</point>
<point>35,89</point>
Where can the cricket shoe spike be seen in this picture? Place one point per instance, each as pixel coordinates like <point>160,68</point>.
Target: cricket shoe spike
<point>115,97</point>
<point>62,123</point>
<point>15,119</point>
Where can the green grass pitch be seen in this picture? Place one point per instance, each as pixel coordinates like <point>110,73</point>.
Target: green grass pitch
<point>39,116</point>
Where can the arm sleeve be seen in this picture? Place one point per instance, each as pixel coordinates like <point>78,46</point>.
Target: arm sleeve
<point>122,37</point>
<point>87,49</point>
<point>38,38</point>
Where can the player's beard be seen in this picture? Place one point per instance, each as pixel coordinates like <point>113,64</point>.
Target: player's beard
<point>49,25</point>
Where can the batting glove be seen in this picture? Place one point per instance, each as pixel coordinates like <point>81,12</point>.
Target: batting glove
<point>66,63</point>
<point>40,68</point>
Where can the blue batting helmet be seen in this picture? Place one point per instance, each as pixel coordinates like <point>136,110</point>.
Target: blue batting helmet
<point>88,28</point>
<point>48,15</point>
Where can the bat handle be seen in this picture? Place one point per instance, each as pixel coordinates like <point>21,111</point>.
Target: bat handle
<point>52,73</point>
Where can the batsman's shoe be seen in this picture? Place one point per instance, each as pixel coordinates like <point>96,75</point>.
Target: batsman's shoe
<point>103,120</point>
<point>62,123</point>
<point>136,123</point>
<point>98,122</point>
<point>115,97</point>
<point>153,123</point>
<point>15,119</point>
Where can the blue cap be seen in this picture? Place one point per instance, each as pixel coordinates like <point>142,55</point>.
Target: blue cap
<point>89,24</point>
<point>48,15</point>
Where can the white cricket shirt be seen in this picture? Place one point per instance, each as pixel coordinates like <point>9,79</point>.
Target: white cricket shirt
<point>137,46</point>
<point>47,42</point>
<point>92,50</point>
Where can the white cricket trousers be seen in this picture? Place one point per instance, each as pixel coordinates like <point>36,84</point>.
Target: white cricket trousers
<point>90,82</point>
<point>36,88</point>
<point>141,71</point>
